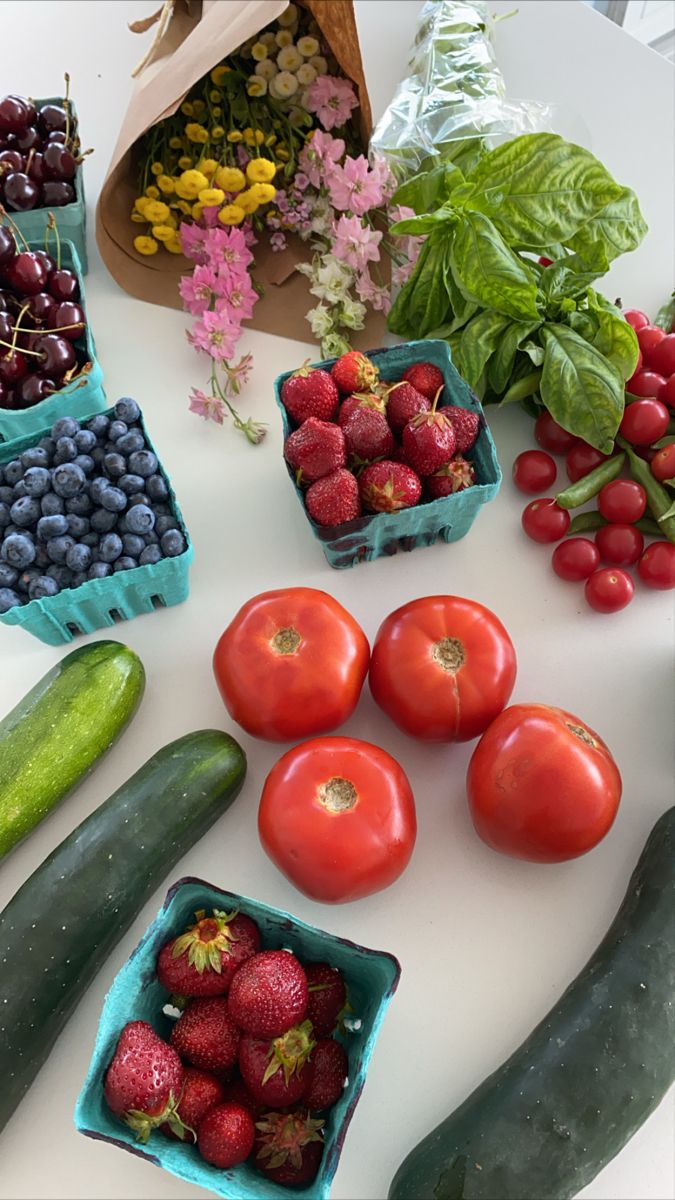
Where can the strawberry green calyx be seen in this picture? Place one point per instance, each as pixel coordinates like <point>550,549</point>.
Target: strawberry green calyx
<point>143,1123</point>
<point>205,941</point>
<point>303,371</point>
<point>290,1051</point>
<point>283,1137</point>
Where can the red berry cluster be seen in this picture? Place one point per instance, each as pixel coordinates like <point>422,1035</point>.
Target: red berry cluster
<point>251,1063</point>
<point>39,154</point>
<point>363,444</point>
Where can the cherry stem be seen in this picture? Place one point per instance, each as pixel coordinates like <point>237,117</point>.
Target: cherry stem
<point>66,105</point>
<point>13,226</point>
<point>51,225</point>
<point>10,346</point>
<point>17,328</point>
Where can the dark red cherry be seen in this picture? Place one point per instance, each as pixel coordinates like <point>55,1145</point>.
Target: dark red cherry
<point>47,259</point>
<point>33,389</point>
<point>5,396</point>
<point>64,317</point>
<point>15,114</point>
<point>7,246</point>
<point>63,285</point>
<point>41,307</point>
<point>29,140</point>
<point>11,160</point>
<point>27,274</point>
<point>13,366</point>
<point>57,354</point>
<point>52,118</point>
<point>6,331</point>
<point>58,135</point>
<point>21,193</point>
<point>35,168</point>
<point>56,193</point>
<point>59,163</point>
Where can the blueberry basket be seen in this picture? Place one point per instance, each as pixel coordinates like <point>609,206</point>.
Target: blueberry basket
<point>81,398</point>
<point>71,219</point>
<point>372,536</point>
<point>371,976</point>
<point>98,603</point>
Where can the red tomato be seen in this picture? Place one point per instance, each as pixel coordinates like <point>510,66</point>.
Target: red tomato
<point>575,559</point>
<point>291,663</point>
<point>636,318</point>
<point>663,463</point>
<point>620,545</point>
<point>667,392</point>
<point>534,471</point>
<point>622,501</point>
<point>646,383</point>
<point>581,460</point>
<point>542,785</point>
<point>442,668</point>
<point>644,422</point>
<point>663,356</point>
<point>551,435</point>
<point>609,590</point>
<point>545,521</point>
<point>337,817</point>
<point>648,339</point>
<point>656,568</point>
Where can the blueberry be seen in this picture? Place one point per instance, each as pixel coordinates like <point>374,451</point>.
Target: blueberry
<point>37,481</point>
<point>66,451</point>
<point>79,577</point>
<point>98,454</point>
<point>99,425</point>
<point>151,539</point>
<point>81,505</point>
<point>8,575</point>
<point>125,563</point>
<point>117,430</point>
<point>11,528</point>
<point>8,599</point>
<point>41,557</point>
<point>77,526</point>
<point>127,410</point>
<point>35,457</point>
<point>48,444</point>
<point>14,472</point>
<point>140,519</point>
<point>18,550</point>
<point>114,500</point>
<point>164,524</point>
<point>149,556</point>
<point>90,539</point>
<point>143,462</point>
<point>2,474</point>
<point>5,518</point>
<point>131,441</point>
<point>7,493</point>
<point>26,578</point>
<point>115,465</point>
<point>51,504</point>
<point>132,545</point>
<point>103,521</point>
<point>68,480</point>
<point>85,440</point>
<point>78,557</point>
<point>161,509</point>
<point>173,543</point>
<point>110,547</point>
<point>25,512</point>
<point>43,586</point>
<point>99,570</point>
<point>60,573</point>
<point>97,487</point>
<point>130,484</point>
<point>86,463</point>
<point>137,498</point>
<point>156,488</point>
<point>19,489</point>
<point>65,427</point>
<point>58,547</point>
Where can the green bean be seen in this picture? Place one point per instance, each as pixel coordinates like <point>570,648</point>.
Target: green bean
<point>586,522</point>
<point>659,500</point>
<point>589,485</point>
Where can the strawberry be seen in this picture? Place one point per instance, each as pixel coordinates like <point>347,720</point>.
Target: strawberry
<point>309,392</point>
<point>289,1147</point>
<point>329,1068</point>
<point>206,1035</point>
<point>144,1081</point>
<point>465,424</point>
<point>269,993</point>
<point>425,378</point>
<point>353,372</point>
<point>226,1135</point>
<point>367,435</point>
<point>327,997</point>
<point>316,449</point>
<point>405,402</point>
<point>455,476</point>
<point>334,499</point>
<point>236,1092</point>
<point>202,961</point>
<point>388,486</point>
<point>201,1093</point>
<point>429,441</point>
<point>372,400</point>
<point>276,1073</point>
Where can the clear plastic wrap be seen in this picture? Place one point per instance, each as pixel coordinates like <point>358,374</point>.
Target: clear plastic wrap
<point>454,91</point>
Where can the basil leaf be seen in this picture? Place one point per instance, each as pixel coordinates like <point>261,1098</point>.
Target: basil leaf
<point>617,341</point>
<point>423,302</point>
<point>584,323</point>
<point>489,273</point>
<point>582,390</point>
<point>501,364</point>
<point>476,343</point>
<point>418,226</point>
<point>465,153</point>
<point>562,281</point>
<point>540,189</point>
<point>665,317</point>
<point>461,308</point>
<point>534,352</point>
<point>428,190</point>
<point>617,229</point>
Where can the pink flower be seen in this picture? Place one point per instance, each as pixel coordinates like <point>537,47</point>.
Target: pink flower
<point>278,241</point>
<point>355,244</point>
<point>198,290</point>
<point>193,241</point>
<point>236,297</point>
<point>209,216</point>
<point>383,175</point>
<point>216,334</point>
<point>237,376</point>
<point>211,408</point>
<point>400,212</point>
<point>377,297</point>
<point>228,246</point>
<point>354,187</point>
<point>332,99</point>
<point>301,181</point>
<point>319,154</point>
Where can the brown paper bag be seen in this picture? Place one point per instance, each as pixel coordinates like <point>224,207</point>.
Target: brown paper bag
<point>191,39</point>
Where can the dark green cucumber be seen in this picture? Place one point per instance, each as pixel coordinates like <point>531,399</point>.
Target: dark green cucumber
<point>544,1124</point>
<point>56,734</point>
<point>62,924</point>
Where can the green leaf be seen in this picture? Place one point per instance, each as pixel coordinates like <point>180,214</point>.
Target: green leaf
<point>461,308</point>
<point>477,342</point>
<point>534,352</point>
<point>580,388</point>
<point>666,315</point>
<point>563,281</point>
<point>489,273</point>
<point>427,223</point>
<point>500,366</point>
<point>423,302</point>
<point>540,189</point>
<point>617,340</point>
<point>466,153</point>
<point>617,229</point>
<point>430,189</point>
<point>584,323</point>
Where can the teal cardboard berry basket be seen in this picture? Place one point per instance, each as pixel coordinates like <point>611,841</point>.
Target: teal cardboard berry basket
<point>81,398</point>
<point>371,976</point>
<point>71,219</point>
<point>103,602</point>
<point>377,534</point>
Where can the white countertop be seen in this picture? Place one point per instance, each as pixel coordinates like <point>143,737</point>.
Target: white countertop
<point>504,937</point>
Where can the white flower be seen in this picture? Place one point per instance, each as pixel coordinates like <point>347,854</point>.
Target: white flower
<point>333,345</point>
<point>288,59</point>
<point>308,47</point>
<point>266,69</point>
<point>259,51</point>
<point>306,74</point>
<point>320,320</point>
<point>288,16</point>
<point>268,39</point>
<point>283,85</point>
<point>319,63</point>
<point>352,313</point>
<point>255,86</point>
<point>332,280</point>
<point>322,216</point>
<point>283,38</point>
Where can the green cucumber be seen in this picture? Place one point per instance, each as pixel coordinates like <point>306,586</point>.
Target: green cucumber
<point>56,734</point>
<point>61,925</point>
<point>553,1115</point>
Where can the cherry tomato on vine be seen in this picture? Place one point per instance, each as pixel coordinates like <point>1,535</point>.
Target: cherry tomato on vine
<point>656,568</point>
<point>534,471</point>
<point>609,590</point>
<point>636,318</point>
<point>620,545</point>
<point>551,435</point>
<point>575,559</point>
<point>291,663</point>
<point>644,422</point>
<point>442,668</point>
<point>667,392</point>
<point>581,460</point>
<point>648,338</point>
<point>622,501</point>
<point>337,817</point>
<point>545,521</point>
<point>645,384</point>
<point>663,463</point>
<point>662,357</point>
<point>542,785</point>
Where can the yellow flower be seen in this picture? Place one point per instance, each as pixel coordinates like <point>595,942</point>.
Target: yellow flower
<point>283,85</point>
<point>166,184</point>
<point>246,202</point>
<point>157,168</point>
<point>145,245</point>
<point>306,74</point>
<point>210,196</point>
<point>215,96</point>
<point>308,47</point>
<point>266,70</point>
<point>138,218</point>
<point>259,51</point>
<point>268,39</point>
<point>184,207</point>
<point>283,38</point>
<point>319,63</point>
<point>163,233</point>
<point>216,111</point>
<point>260,170</point>
<point>175,143</point>
<point>217,133</point>
<point>271,140</point>
<point>218,74</point>
<point>156,212</point>
<point>262,193</point>
<point>288,16</point>
<point>196,132</point>
<point>208,165</point>
<point>187,109</point>
<point>255,86</point>
<point>282,154</point>
<point>199,106</point>
<point>288,59</point>
<point>173,246</point>
<point>141,203</point>
<point>235,136</point>
<point>193,182</point>
<point>231,214</point>
<point>184,162</point>
<point>197,210</point>
<point>152,192</point>
<point>230,179</point>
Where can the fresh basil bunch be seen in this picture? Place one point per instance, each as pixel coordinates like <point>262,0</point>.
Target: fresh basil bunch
<point>517,329</point>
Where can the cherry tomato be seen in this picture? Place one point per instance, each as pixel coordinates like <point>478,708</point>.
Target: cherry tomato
<point>663,463</point>
<point>645,383</point>
<point>545,521</point>
<point>663,356</point>
<point>609,590</point>
<point>581,460</point>
<point>442,668</point>
<point>291,663</point>
<point>542,785</point>
<point>648,338</point>
<point>575,559</point>
<point>551,435</point>
<point>636,318</point>
<point>667,392</point>
<point>656,568</point>
<point>644,422</point>
<point>534,471</point>
<point>337,817</point>
<point>622,501</point>
<point>620,545</point>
